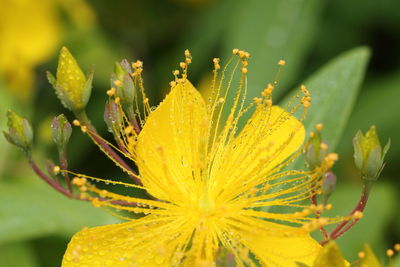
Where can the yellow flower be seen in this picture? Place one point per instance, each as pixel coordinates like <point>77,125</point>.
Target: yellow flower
<point>210,184</point>
<point>29,33</point>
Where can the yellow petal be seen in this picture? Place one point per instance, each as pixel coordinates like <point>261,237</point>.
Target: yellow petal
<point>170,147</point>
<point>278,245</point>
<point>270,136</point>
<point>142,242</point>
<point>330,256</point>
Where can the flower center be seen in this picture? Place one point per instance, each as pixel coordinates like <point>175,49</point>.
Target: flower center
<point>206,205</point>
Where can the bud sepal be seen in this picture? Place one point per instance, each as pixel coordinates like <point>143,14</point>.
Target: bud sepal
<point>20,131</point>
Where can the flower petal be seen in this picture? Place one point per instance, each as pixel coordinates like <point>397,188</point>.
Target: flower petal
<point>171,145</point>
<point>277,245</point>
<point>270,136</point>
<point>143,242</point>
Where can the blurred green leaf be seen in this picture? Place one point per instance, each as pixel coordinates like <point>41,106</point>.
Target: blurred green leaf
<point>334,89</point>
<point>30,208</point>
<point>17,255</point>
<point>270,31</point>
<point>377,105</point>
<point>371,228</point>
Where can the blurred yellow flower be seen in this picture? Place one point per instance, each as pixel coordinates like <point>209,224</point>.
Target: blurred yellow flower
<point>209,185</point>
<point>29,34</point>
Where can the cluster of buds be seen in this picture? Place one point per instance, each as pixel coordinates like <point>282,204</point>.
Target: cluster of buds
<point>73,88</point>
<point>369,159</point>
<point>368,154</point>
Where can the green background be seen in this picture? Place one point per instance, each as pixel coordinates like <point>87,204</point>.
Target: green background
<point>346,52</point>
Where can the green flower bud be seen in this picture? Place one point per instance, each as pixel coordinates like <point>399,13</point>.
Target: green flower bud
<point>113,117</point>
<point>328,185</point>
<point>72,87</point>
<point>121,80</point>
<point>19,131</point>
<point>316,150</point>
<point>61,130</point>
<point>368,153</point>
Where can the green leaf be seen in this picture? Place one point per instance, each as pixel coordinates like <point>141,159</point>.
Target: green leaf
<point>270,31</point>
<point>377,105</point>
<point>334,89</point>
<point>17,255</point>
<point>30,208</point>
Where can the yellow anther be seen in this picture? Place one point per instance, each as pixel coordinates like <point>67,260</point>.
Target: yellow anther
<point>269,102</point>
<point>111,92</point>
<point>281,62</point>
<point>172,83</point>
<point>389,252</point>
<point>56,169</point>
<point>138,64</point>
<point>242,54</point>
<point>145,101</point>
<point>84,128</point>
<point>76,123</point>
<point>306,104</point>
<point>324,146</point>
<point>230,117</point>
<point>257,100</point>
<point>187,53</point>
<point>319,126</point>
<point>312,134</point>
<point>183,65</point>
<point>128,129</point>
<point>245,63</point>
<point>188,60</point>
<point>333,156</point>
<point>78,181</point>
<point>117,100</point>
<point>175,72</point>
<point>244,70</point>
<point>84,195</point>
<point>361,255</point>
<point>216,60</point>
<point>357,215</point>
<point>96,202</point>
<point>328,206</point>
<point>117,83</point>
<point>235,51</point>
<point>247,54</point>
<point>221,100</point>
<point>397,247</point>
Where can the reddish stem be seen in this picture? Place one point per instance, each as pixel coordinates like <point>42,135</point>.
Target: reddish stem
<point>339,231</point>
<point>57,186</point>
<point>64,166</point>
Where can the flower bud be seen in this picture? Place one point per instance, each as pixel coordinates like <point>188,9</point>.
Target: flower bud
<point>328,185</point>
<point>315,151</point>
<point>61,130</point>
<point>19,131</point>
<point>121,79</point>
<point>72,87</point>
<point>113,117</point>
<point>368,154</point>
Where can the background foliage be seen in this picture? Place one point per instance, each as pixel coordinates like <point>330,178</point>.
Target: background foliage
<point>36,223</point>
